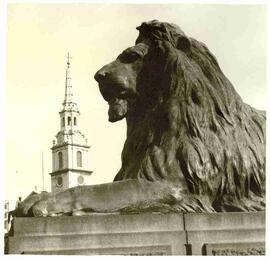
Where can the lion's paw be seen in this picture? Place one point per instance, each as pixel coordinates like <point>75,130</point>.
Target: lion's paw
<point>40,209</point>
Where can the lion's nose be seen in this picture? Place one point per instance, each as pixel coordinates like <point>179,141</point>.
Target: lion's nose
<point>100,75</point>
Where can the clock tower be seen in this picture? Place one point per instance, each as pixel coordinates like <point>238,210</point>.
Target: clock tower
<point>70,158</point>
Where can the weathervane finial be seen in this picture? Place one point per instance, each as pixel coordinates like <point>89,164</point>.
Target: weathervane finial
<point>68,59</point>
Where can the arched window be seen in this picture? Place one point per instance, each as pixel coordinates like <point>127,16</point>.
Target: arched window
<point>69,120</point>
<point>79,159</point>
<point>60,160</point>
<point>75,120</point>
<point>63,121</point>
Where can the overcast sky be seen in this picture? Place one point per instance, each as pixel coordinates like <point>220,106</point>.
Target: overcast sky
<point>39,37</point>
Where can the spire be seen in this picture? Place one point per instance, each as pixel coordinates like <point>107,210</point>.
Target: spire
<point>68,86</point>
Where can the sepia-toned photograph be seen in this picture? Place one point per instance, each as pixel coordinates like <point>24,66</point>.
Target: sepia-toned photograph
<point>134,129</point>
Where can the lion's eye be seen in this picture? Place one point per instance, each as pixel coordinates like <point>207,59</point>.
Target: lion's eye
<point>129,57</point>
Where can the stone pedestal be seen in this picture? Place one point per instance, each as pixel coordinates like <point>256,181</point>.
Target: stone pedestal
<point>225,233</point>
<point>142,234</point>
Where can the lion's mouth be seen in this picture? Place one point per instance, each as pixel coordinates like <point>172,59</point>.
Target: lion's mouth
<point>117,97</point>
<point>109,90</point>
<point>117,109</point>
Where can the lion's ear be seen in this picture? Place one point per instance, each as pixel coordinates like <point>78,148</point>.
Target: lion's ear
<point>183,43</point>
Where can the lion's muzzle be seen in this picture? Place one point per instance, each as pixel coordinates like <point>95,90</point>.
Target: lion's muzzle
<point>114,88</point>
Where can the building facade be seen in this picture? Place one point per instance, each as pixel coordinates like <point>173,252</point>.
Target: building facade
<point>70,157</point>
<point>6,224</point>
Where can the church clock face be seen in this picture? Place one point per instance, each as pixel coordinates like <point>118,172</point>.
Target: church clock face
<point>59,181</point>
<point>80,180</point>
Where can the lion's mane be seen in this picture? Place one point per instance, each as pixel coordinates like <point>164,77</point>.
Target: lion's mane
<point>190,126</point>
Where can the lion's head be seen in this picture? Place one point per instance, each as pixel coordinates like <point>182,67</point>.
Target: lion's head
<point>118,81</point>
<point>185,121</point>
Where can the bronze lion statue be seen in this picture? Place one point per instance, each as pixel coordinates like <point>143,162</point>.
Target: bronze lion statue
<point>192,144</point>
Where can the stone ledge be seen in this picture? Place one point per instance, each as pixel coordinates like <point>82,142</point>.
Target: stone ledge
<point>98,224</point>
<point>135,250</point>
<point>228,220</point>
<point>140,234</point>
<point>19,245</point>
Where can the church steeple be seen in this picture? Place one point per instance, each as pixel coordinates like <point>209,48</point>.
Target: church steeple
<point>69,115</point>
<point>70,151</point>
<point>68,86</point>
<point>69,102</point>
